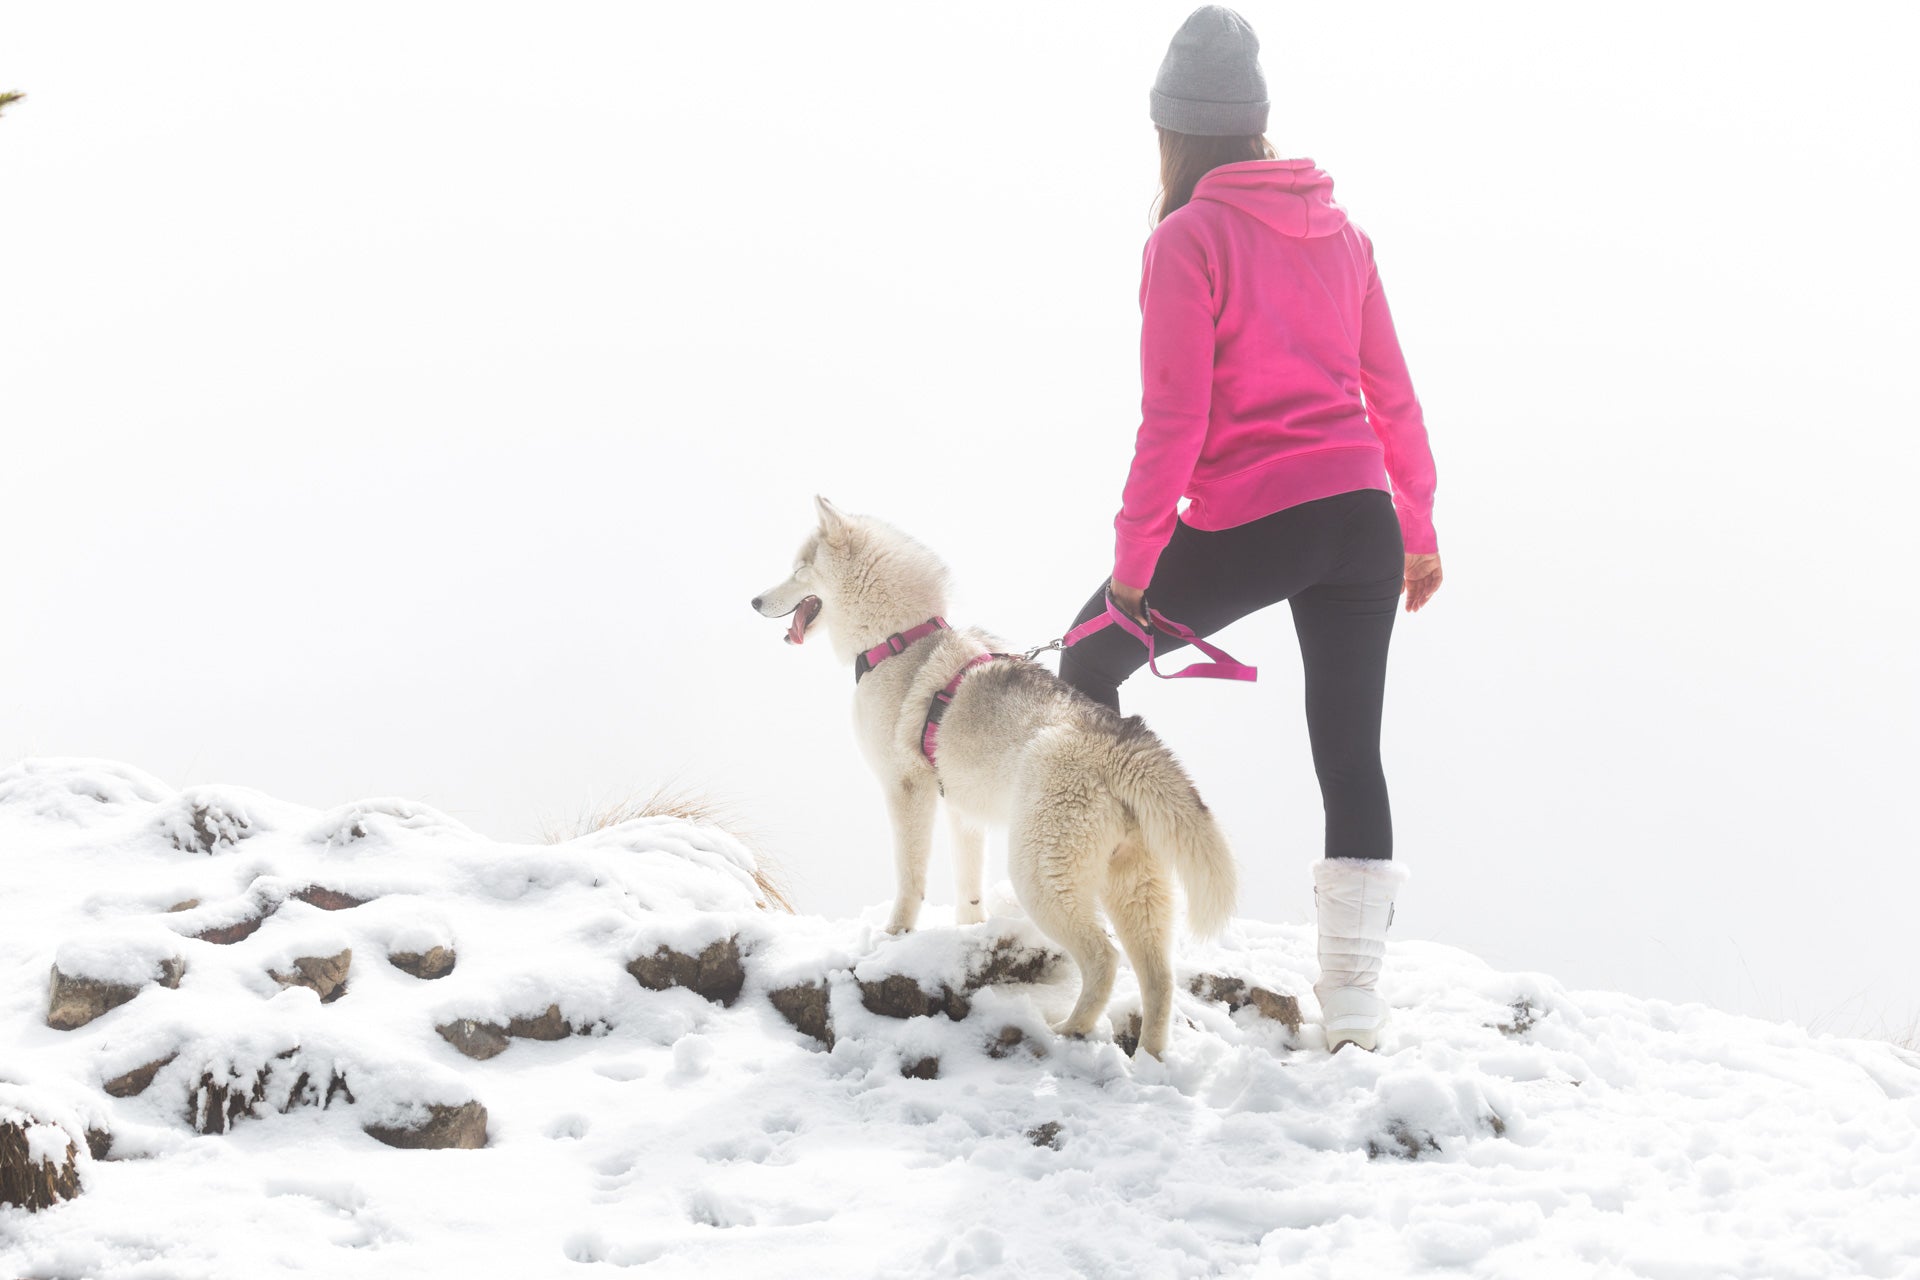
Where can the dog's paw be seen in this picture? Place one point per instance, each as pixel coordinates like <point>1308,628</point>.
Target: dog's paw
<point>896,929</point>
<point>969,913</point>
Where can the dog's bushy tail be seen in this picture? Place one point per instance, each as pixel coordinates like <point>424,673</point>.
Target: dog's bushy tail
<point>1177,826</point>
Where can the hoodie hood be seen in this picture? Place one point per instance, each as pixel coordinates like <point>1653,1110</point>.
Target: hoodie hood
<point>1292,196</point>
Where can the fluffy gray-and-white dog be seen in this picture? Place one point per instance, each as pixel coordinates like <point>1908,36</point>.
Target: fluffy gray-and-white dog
<point>1099,813</point>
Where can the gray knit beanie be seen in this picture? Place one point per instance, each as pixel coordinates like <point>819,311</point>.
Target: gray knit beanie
<point>1210,81</point>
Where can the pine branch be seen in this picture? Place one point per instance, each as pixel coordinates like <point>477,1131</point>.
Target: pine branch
<point>10,97</point>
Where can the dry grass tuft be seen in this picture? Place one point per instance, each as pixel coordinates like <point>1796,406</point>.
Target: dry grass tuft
<point>673,799</point>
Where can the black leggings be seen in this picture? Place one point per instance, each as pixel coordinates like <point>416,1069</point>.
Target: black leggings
<point>1340,562</point>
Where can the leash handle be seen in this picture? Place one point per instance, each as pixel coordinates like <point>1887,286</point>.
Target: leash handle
<point>1222,667</point>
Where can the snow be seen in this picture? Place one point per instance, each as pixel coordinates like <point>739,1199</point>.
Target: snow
<point>1508,1128</point>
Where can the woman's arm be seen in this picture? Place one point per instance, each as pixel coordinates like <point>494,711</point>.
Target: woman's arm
<point>1176,391</point>
<point>1394,413</point>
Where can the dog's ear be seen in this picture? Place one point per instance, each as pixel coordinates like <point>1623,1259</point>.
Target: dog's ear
<point>833,525</point>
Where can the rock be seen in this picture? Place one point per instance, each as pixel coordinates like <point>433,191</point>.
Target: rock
<point>483,1040</point>
<point>1273,1005</point>
<point>1237,995</point>
<point>548,1026</point>
<point>33,1184</point>
<point>75,1001</point>
<point>227,934</point>
<point>716,973</point>
<point>1232,992</point>
<point>898,996</point>
<point>207,826</point>
<point>1011,1040</point>
<point>186,905</point>
<point>100,1144</point>
<point>1011,962</point>
<point>219,1101</point>
<point>805,1006</point>
<point>216,1104</point>
<point>436,962</point>
<point>463,1127</point>
<point>136,1081</point>
<point>927,1068</point>
<point>1045,1135</point>
<point>326,975</point>
<point>1402,1141</point>
<point>329,899</point>
<point>1524,1016</point>
<point>478,1040</point>
<point>1006,962</point>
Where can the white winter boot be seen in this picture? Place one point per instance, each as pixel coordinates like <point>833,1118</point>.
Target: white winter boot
<point>1355,901</point>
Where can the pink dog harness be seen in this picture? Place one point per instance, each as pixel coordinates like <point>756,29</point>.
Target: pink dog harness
<point>893,644</point>
<point>937,709</point>
<point>1222,667</point>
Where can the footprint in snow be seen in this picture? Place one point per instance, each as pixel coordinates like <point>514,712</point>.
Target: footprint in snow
<point>756,1148</point>
<point>714,1209</point>
<point>591,1246</point>
<point>622,1069</point>
<point>568,1126</point>
<point>692,1055</point>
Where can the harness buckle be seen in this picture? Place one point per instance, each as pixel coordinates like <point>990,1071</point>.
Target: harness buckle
<point>897,643</point>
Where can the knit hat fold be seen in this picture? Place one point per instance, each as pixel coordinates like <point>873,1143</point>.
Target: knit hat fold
<point>1210,82</point>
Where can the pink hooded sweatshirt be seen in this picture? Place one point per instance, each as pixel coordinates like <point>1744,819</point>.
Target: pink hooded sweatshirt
<point>1270,373</point>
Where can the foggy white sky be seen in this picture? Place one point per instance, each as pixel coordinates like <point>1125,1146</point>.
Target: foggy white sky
<point>408,400</point>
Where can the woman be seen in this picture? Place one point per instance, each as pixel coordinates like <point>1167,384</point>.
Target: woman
<point>1275,398</point>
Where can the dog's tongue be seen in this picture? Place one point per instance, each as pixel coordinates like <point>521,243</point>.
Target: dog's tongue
<point>797,630</point>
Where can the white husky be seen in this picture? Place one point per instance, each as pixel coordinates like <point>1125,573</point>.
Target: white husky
<point>1099,813</point>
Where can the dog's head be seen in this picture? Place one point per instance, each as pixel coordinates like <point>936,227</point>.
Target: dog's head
<point>816,573</point>
<point>857,574</point>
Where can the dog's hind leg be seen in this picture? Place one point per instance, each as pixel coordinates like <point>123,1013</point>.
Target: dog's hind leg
<point>1055,865</point>
<point>1139,901</point>
<point>969,858</point>
<point>910,804</point>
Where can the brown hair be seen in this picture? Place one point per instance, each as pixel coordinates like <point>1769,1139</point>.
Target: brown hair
<point>1185,158</point>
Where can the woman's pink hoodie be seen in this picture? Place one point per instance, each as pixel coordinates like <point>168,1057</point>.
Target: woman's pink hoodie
<point>1270,373</point>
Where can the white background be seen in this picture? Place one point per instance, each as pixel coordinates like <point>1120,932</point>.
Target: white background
<point>407,399</point>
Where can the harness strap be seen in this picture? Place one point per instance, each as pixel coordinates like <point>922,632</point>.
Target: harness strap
<point>937,708</point>
<point>893,644</point>
<point>1223,666</point>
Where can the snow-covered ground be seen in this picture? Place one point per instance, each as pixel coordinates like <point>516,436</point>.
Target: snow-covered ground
<point>1509,1128</point>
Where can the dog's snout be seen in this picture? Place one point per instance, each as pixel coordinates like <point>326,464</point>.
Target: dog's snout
<point>756,604</point>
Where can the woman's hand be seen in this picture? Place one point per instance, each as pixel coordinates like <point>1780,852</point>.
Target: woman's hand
<point>1423,579</point>
<point>1132,600</point>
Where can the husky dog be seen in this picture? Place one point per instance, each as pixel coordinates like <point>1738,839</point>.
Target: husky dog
<point>1099,813</point>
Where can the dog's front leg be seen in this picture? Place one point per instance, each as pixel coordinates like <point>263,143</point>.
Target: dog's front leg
<point>969,857</point>
<point>910,804</point>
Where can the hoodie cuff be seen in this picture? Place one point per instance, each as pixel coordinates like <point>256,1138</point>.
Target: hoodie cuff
<point>1416,532</point>
<point>1134,561</point>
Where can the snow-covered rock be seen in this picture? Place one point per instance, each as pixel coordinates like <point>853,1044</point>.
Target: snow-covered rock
<point>38,1159</point>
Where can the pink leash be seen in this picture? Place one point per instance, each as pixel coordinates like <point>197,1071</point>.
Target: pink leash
<point>1223,667</point>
